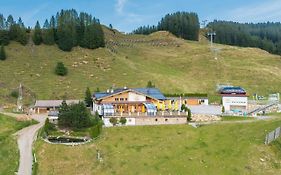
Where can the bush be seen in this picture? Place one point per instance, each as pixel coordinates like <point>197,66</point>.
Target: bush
<point>2,53</point>
<point>14,94</point>
<point>223,109</point>
<point>123,120</point>
<point>113,121</point>
<point>61,70</point>
<point>48,126</point>
<point>96,130</point>
<point>189,118</point>
<point>183,107</point>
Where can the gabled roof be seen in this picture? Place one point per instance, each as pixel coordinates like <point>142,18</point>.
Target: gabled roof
<point>53,103</point>
<point>150,92</point>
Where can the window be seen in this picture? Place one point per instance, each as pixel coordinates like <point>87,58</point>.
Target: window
<point>121,99</point>
<point>116,99</point>
<point>166,120</point>
<point>156,120</point>
<point>126,99</point>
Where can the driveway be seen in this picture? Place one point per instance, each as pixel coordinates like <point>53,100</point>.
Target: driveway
<point>26,136</point>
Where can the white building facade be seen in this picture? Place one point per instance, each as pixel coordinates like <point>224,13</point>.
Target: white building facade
<point>235,103</point>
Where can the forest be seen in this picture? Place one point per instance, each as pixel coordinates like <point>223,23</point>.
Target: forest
<point>182,24</point>
<point>67,29</point>
<point>266,36</point>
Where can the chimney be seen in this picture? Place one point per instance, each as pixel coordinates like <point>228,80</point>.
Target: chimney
<point>107,91</point>
<point>125,87</point>
<point>111,91</point>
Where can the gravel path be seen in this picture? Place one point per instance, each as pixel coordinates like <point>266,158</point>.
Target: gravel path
<point>26,136</point>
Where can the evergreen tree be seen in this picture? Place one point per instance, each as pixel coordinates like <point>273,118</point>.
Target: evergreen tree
<point>37,35</point>
<point>75,116</point>
<point>262,35</point>
<point>61,70</point>
<point>10,21</point>
<point>18,33</point>
<point>4,37</point>
<point>2,22</point>
<point>48,34</point>
<point>2,53</point>
<point>88,98</point>
<point>182,24</point>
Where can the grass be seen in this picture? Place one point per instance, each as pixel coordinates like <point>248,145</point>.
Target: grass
<point>189,68</point>
<point>177,149</point>
<point>9,154</point>
<point>236,118</point>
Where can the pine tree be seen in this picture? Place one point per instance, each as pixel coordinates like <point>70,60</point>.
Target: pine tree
<point>48,34</point>
<point>37,35</point>
<point>61,70</point>
<point>2,53</point>
<point>88,97</point>
<point>4,37</point>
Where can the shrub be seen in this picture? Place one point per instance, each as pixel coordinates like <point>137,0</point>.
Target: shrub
<point>223,109</point>
<point>2,53</point>
<point>14,94</point>
<point>96,130</point>
<point>150,84</point>
<point>123,120</point>
<point>189,118</point>
<point>48,126</point>
<point>61,70</point>
<point>113,121</point>
<point>183,107</point>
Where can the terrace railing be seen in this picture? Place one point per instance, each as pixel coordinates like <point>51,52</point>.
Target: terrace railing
<point>151,114</point>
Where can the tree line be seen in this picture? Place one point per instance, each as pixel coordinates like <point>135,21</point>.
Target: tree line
<point>182,24</point>
<point>266,36</point>
<point>67,29</point>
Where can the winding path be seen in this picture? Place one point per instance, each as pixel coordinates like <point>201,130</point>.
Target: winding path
<point>26,136</point>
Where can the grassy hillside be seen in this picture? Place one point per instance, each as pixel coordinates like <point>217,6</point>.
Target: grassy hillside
<point>173,64</point>
<point>177,149</point>
<point>9,154</point>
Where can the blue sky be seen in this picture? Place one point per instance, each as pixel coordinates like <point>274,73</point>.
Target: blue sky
<point>126,15</point>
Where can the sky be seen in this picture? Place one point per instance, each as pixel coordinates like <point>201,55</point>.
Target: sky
<point>127,15</point>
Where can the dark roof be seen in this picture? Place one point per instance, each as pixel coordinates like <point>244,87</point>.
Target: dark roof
<point>151,92</point>
<point>232,90</point>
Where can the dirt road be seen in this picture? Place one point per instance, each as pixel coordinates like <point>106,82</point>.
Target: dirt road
<point>26,136</point>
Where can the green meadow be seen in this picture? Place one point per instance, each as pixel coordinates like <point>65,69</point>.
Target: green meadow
<point>177,149</point>
<point>179,66</point>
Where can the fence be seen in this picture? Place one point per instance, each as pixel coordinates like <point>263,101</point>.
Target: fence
<point>273,135</point>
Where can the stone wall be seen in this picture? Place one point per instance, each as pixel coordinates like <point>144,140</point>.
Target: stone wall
<point>205,118</point>
<point>160,120</point>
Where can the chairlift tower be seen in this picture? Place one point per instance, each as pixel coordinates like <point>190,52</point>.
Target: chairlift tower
<point>203,23</point>
<point>20,98</point>
<point>212,35</point>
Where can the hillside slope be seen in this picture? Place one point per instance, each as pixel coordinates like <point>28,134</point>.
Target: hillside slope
<point>175,65</point>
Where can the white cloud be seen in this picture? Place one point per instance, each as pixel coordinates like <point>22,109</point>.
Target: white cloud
<point>265,11</point>
<point>119,6</point>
